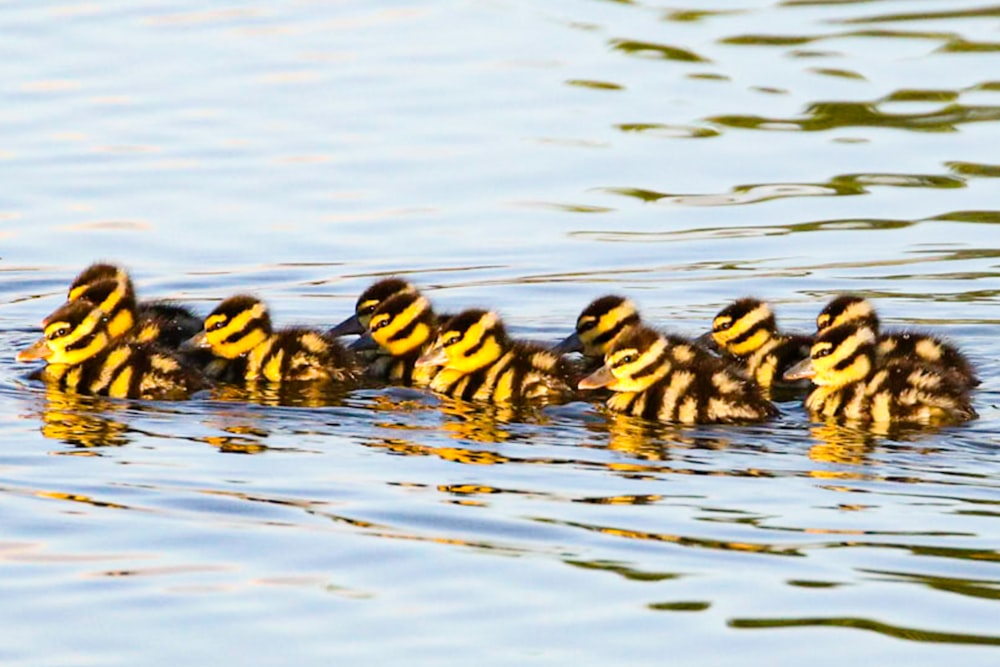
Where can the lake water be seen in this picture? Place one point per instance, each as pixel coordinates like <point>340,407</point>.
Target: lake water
<point>528,157</point>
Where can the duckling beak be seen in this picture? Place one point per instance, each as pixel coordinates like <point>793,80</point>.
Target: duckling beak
<point>707,341</point>
<point>800,371</point>
<point>349,327</point>
<point>39,350</point>
<point>602,377</point>
<point>364,342</point>
<point>199,341</point>
<point>570,343</point>
<point>432,357</point>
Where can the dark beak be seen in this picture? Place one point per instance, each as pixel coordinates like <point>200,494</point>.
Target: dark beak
<point>196,342</point>
<point>569,344</point>
<point>707,341</point>
<point>349,327</point>
<point>363,342</point>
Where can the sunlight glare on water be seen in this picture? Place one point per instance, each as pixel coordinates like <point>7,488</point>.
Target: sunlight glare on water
<point>525,157</point>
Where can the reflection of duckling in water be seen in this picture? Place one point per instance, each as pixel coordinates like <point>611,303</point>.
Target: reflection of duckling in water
<point>162,322</point>
<point>669,379</point>
<point>81,356</point>
<point>240,335</point>
<point>480,362</point>
<point>898,345</point>
<point>80,421</point>
<point>746,334</point>
<point>853,384</point>
<point>597,328</point>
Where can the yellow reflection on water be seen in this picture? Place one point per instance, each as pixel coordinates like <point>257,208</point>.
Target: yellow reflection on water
<point>81,421</point>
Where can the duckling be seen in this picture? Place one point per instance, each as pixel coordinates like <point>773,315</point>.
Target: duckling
<point>671,379</point>
<point>240,335</point>
<point>597,327</point>
<point>746,334</point>
<point>480,362</point>
<point>898,345</point>
<point>853,383</point>
<point>366,304</point>
<point>82,356</point>
<point>403,327</point>
<point>162,322</point>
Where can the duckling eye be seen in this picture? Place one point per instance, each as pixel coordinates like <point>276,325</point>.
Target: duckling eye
<point>375,326</point>
<point>628,358</point>
<point>217,325</point>
<point>451,340</point>
<point>819,354</point>
<point>586,326</point>
<point>62,331</point>
<point>722,326</point>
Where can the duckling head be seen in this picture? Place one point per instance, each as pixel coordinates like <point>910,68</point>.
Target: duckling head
<point>638,358</point>
<point>841,355</point>
<point>367,303</point>
<point>599,325</point>
<point>743,327</point>
<point>403,324</point>
<point>72,334</point>
<point>236,326</point>
<point>98,272</point>
<point>467,342</point>
<point>848,308</point>
<point>115,299</point>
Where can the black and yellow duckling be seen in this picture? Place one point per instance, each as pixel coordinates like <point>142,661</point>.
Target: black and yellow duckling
<point>240,335</point>
<point>853,384</point>
<point>480,362</point>
<point>597,327</point>
<point>898,345</point>
<point>402,327</point>
<point>746,334</point>
<point>670,379</point>
<point>370,299</point>
<point>82,356</point>
<point>165,323</point>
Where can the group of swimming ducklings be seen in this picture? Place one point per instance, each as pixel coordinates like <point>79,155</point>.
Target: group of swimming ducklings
<point>101,341</point>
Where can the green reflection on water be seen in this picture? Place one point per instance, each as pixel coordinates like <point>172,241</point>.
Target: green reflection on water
<point>680,606</point>
<point>623,570</point>
<point>653,50</point>
<point>899,632</point>
<point>823,116</point>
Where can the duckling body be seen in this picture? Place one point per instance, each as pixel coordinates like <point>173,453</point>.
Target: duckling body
<point>246,347</point>
<point>854,383</point>
<point>746,334</point>
<point>403,327</point>
<point>896,346</point>
<point>670,379</point>
<point>478,361</point>
<point>81,356</point>
<point>110,287</point>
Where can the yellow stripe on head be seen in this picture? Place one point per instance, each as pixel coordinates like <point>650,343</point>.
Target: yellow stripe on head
<point>237,326</point>
<point>603,321</point>
<point>732,327</point>
<point>846,309</point>
<point>638,359</point>
<point>400,325</point>
<point>472,340</point>
<point>842,355</point>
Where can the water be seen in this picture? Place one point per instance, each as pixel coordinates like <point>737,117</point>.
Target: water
<point>528,157</point>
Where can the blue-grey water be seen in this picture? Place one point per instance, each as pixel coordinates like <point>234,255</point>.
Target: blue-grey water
<point>527,157</point>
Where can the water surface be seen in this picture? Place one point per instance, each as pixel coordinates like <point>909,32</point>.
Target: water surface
<point>527,157</point>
